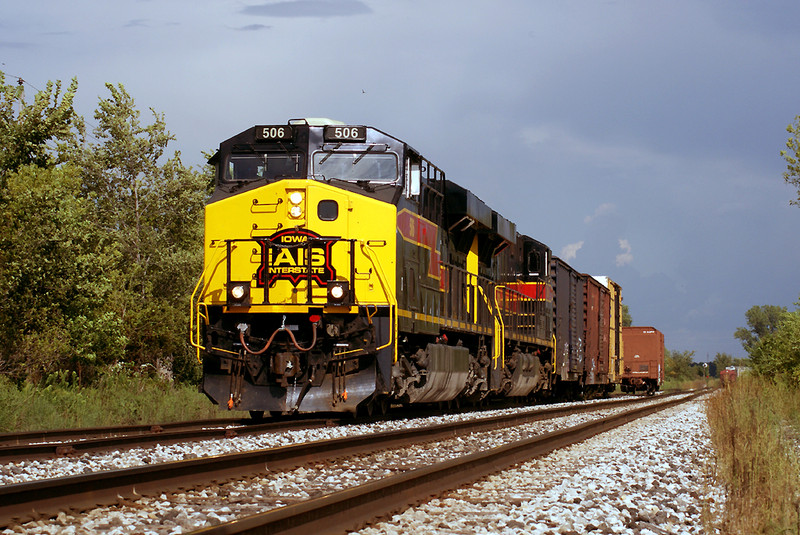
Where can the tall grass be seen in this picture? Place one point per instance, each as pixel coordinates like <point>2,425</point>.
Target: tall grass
<point>119,398</point>
<point>753,427</point>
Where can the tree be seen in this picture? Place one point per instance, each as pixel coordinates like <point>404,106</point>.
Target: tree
<point>151,208</point>
<point>722,361</point>
<point>779,353</point>
<point>678,365</point>
<point>627,320</point>
<point>53,283</point>
<point>792,157</point>
<point>28,131</point>
<point>100,243</point>
<point>761,321</point>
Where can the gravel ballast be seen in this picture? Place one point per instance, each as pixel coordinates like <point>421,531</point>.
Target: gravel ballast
<point>646,477</point>
<point>32,470</point>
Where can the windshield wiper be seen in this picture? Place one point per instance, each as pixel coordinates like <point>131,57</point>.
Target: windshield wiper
<point>363,154</point>
<point>329,154</point>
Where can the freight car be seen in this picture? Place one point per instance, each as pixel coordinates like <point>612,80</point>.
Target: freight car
<point>643,359</point>
<point>728,375</point>
<point>585,325</point>
<point>344,272</point>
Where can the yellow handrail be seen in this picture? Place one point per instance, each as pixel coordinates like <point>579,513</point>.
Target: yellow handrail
<point>499,340</point>
<point>194,320</point>
<point>390,298</point>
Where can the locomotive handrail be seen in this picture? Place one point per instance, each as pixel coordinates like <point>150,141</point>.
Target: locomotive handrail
<point>194,320</point>
<point>499,318</point>
<point>499,341</point>
<point>390,298</point>
<point>513,305</point>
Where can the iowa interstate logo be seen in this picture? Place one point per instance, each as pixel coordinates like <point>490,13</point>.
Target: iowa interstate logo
<point>291,254</point>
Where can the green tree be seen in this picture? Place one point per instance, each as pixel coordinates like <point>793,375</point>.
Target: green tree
<point>722,361</point>
<point>792,157</point>
<point>53,281</point>
<point>761,321</point>
<point>35,133</point>
<point>627,320</point>
<point>777,353</point>
<point>678,365</point>
<point>151,208</point>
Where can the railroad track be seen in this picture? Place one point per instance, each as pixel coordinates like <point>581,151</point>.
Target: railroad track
<point>48,444</point>
<point>19,502</point>
<point>353,508</point>
<point>83,433</point>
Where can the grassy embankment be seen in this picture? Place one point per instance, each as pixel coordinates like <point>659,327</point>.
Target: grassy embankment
<point>117,399</point>
<point>754,428</point>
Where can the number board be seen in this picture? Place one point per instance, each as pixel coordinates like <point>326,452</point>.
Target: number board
<point>345,133</point>
<point>274,133</point>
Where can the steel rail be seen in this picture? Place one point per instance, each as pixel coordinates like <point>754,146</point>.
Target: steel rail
<point>353,508</point>
<point>154,436</point>
<point>24,501</point>
<point>77,433</point>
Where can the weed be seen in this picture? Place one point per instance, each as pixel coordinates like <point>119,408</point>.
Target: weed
<point>752,427</point>
<point>119,397</point>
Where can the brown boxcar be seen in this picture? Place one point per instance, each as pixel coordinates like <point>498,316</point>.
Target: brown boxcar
<point>568,316</point>
<point>597,325</point>
<point>615,347</point>
<point>643,358</point>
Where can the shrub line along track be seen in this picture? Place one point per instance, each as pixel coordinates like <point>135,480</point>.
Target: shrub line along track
<point>19,502</point>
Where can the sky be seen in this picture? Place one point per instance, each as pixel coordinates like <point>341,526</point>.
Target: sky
<point>639,139</point>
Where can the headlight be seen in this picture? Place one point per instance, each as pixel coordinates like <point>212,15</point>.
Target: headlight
<point>296,200</point>
<point>237,292</point>
<point>338,292</point>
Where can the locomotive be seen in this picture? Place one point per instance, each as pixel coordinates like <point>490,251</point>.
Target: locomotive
<point>344,272</point>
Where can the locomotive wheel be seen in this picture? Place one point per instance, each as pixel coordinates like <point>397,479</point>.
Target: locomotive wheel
<point>257,415</point>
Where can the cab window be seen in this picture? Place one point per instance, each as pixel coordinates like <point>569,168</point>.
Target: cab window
<point>248,167</point>
<point>372,167</point>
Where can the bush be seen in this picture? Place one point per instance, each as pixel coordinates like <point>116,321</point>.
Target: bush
<point>779,353</point>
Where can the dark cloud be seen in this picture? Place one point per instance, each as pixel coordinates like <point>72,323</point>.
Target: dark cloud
<point>252,28</point>
<point>309,8</point>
